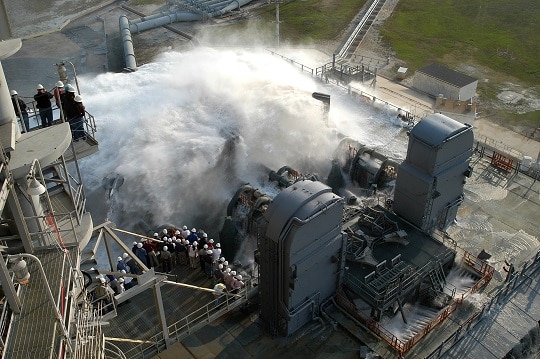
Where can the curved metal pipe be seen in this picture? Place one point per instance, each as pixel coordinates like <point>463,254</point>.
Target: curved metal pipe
<point>164,20</point>
<point>156,20</point>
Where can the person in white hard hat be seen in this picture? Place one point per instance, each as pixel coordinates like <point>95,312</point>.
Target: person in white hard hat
<point>236,284</point>
<point>74,112</point>
<point>165,256</point>
<point>57,93</point>
<point>20,110</point>
<point>43,103</point>
<point>134,248</point>
<point>209,263</point>
<point>218,274</point>
<point>121,264</point>
<point>219,290</point>
<point>185,232</point>
<point>228,278</point>
<point>192,254</point>
<point>216,252</point>
<point>193,237</point>
<point>128,281</point>
<point>141,254</point>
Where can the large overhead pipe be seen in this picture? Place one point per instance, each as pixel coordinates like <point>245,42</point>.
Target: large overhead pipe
<point>164,20</point>
<point>129,53</point>
<point>156,20</point>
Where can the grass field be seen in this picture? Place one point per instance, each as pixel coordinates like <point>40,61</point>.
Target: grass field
<point>499,37</point>
<point>499,34</point>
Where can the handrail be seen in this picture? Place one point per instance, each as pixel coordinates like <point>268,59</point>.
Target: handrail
<point>89,120</point>
<point>359,27</point>
<point>191,322</point>
<point>400,346</point>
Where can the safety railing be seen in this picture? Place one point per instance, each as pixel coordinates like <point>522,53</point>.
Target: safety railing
<point>517,279</point>
<point>191,323</point>
<point>35,120</point>
<point>344,50</point>
<point>400,346</point>
<point>302,67</point>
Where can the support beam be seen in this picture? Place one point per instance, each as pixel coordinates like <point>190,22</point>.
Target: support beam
<point>161,313</point>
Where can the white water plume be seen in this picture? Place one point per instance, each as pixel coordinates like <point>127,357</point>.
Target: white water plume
<point>190,128</point>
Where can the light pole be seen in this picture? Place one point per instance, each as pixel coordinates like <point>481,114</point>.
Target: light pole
<point>277,2</point>
<point>62,73</point>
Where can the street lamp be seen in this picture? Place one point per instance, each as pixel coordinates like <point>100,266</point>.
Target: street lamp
<point>62,73</point>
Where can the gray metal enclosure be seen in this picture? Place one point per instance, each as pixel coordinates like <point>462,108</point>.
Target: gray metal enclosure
<point>301,255</point>
<point>429,185</point>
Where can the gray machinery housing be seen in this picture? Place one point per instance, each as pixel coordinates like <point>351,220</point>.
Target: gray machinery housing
<point>302,252</point>
<point>429,187</point>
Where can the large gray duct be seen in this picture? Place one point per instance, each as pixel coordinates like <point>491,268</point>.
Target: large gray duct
<point>203,9</point>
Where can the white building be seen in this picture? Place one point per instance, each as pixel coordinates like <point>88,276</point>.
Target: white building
<point>438,80</point>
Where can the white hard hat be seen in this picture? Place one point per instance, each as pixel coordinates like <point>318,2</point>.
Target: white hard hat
<point>239,277</point>
<point>184,227</point>
<point>211,240</point>
<point>123,271</point>
<point>195,243</point>
<point>134,243</point>
<point>119,259</point>
<point>164,231</point>
<point>78,98</point>
<point>209,251</point>
<point>102,280</point>
<point>228,270</point>
<point>222,259</point>
<point>139,245</point>
<point>233,272</point>
<point>40,87</point>
<point>156,234</point>
<point>125,255</point>
<point>70,88</point>
<point>205,246</point>
<point>121,280</point>
<point>193,230</point>
<point>59,84</point>
<point>169,240</point>
<point>220,266</point>
<point>165,248</point>
<point>13,92</point>
<point>205,235</point>
<point>218,245</point>
<point>177,232</point>
<point>225,263</point>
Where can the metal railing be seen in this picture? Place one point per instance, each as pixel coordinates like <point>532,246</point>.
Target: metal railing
<point>401,346</point>
<point>358,28</point>
<point>191,323</point>
<point>302,67</point>
<point>33,116</point>
<point>529,269</point>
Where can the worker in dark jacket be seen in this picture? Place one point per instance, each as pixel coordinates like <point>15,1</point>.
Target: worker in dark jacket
<point>74,112</point>
<point>43,103</point>
<point>23,114</point>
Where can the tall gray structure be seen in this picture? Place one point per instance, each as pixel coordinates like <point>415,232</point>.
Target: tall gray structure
<point>429,185</point>
<point>301,255</point>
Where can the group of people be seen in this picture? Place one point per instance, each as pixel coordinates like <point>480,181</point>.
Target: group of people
<point>69,103</point>
<point>175,247</point>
